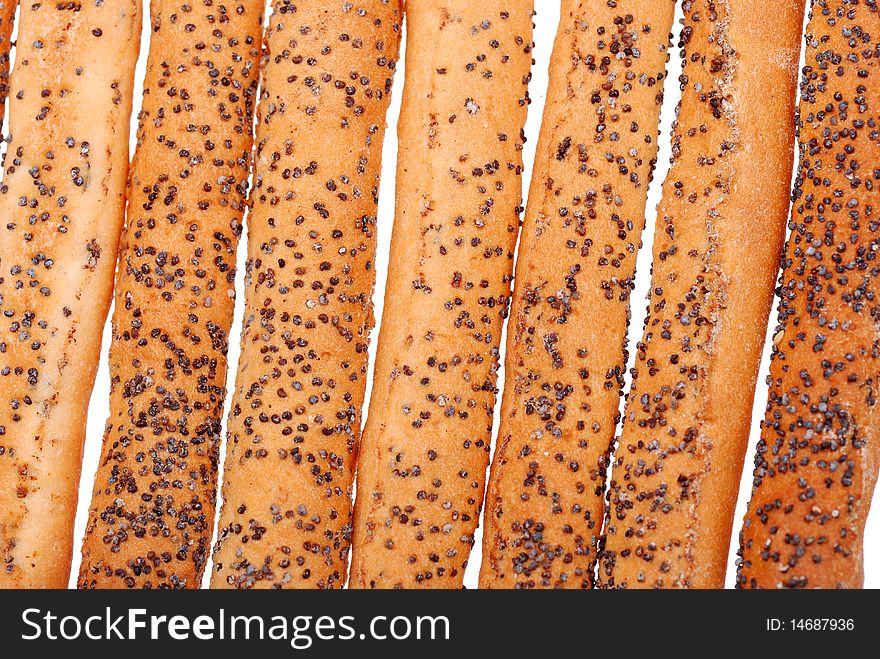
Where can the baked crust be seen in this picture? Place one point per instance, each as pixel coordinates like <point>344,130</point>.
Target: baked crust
<point>425,449</point>
<point>152,511</point>
<point>817,460</point>
<point>7,22</point>
<point>296,412</point>
<point>566,345</point>
<point>718,238</point>
<point>62,200</point>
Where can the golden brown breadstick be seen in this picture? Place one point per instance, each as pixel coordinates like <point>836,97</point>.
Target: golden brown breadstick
<point>152,511</point>
<point>62,203</point>
<point>717,244</point>
<point>577,256</point>
<point>295,419</point>
<point>426,442</point>
<point>7,22</point>
<point>817,460</point>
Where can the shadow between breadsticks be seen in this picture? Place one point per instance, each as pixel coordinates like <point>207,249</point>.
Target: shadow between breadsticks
<point>152,511</point>
<point>574,274</point>
<point>425,449</point>
<point>717,244</point>
<point>62,203</point>
<point>296,410</point>
<point>817,461</point>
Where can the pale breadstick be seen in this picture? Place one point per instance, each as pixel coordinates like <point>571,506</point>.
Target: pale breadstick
<point>574,273</point>
<point>817,461</point>
<point>717,246</point>
<point>425,449</point>
<point>62,203</point>
<point>296,411</point>
<point>152,511</point>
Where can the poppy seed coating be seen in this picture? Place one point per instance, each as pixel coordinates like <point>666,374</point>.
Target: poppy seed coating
<point>62,204</point>
<point>575,271</point>
<point>152,511</point>
<point>817,460</point>
<point>717,245</point>
<point>296,412</point>
<point>425,448</point>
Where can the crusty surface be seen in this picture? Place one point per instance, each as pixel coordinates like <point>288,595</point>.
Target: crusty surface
<point>62,200</point>
<point>718,238</point>
<point>817,460</point>
<point>296,411</point>
<point>425,448</point>
<point>7,22</point>
<point>152,511</point>
<point>566,341</point>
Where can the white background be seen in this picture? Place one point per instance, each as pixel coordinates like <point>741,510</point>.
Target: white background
<point>545,30</point>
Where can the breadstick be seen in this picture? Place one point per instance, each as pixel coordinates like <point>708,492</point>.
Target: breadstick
<point>817,460</point>
<point>426,442</point>
<point>566,342</point>
<point>7,22</point>
<point>295,418</point>
<point>62,203</point>
<point>717,245</point>
<point>152,511</point>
